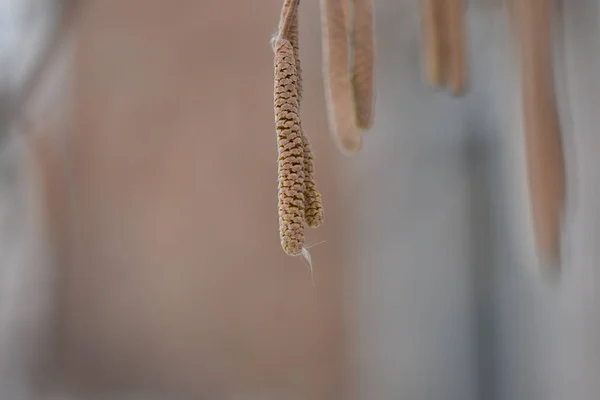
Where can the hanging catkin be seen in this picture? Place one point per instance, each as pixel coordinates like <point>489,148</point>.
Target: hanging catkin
<point>433,54</point>
<point>313,203</point>
<point>541,126</point>
<point>339,91</point>
<point>290,149</point>
<point>363,43</point>
<point>454,13</point>
<point>444,43</point>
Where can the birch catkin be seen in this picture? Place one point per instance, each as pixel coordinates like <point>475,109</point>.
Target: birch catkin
<point>455,45</point>
<point>363,43</point>
<point>433,55</point>
<point>543,143</point>
<point>339,96</point>
<point>313,203</point>
<point>290,148</point>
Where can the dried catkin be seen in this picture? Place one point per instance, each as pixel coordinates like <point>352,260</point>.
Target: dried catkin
<point>433,54</point>
<point>290,149</point>
<point>313,203</point>
<point>542,134</point>
<point>455,46</point>
<point>339,92</point>
<point>363,43</point>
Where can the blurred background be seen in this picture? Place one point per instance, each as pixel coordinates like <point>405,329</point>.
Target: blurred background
<point>139,248</point>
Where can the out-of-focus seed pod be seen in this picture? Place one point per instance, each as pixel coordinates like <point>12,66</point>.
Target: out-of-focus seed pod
<point>339,91</point>
<point>541,127</point>
<point>432,31</point>
<point>363,42</point>
<point>454,24</point>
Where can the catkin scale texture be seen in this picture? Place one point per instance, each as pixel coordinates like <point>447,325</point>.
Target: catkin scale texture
<point>290,144</point>
<point>313,203</point>
<point>293,37</point>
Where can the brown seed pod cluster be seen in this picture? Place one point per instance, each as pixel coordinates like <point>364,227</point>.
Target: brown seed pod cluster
<point>299,199</point>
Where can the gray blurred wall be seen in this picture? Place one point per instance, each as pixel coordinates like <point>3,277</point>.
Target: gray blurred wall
<point>453,304</point>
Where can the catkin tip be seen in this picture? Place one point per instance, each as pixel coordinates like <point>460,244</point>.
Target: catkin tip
<point>366,123</point>
<point>363,81</point>
<point>350,144</point>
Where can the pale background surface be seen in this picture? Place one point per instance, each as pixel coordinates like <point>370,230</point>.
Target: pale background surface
<point>154,159</point>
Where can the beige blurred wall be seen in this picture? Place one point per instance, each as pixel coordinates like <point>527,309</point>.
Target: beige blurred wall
<point>171,278</point>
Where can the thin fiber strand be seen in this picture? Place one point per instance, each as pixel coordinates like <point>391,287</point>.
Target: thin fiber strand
<point>363,42</point>
<point>339,92</point>
<point>290,146</point>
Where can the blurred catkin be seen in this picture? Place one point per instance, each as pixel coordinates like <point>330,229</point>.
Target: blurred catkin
<point>455,42</point>
<point>444,44</point>
<point>433,52</point>
<point>545,159</point>
<point>339,91</point>
<point>290,148</point>
<point>313,203</point>
<point>363,43</point>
